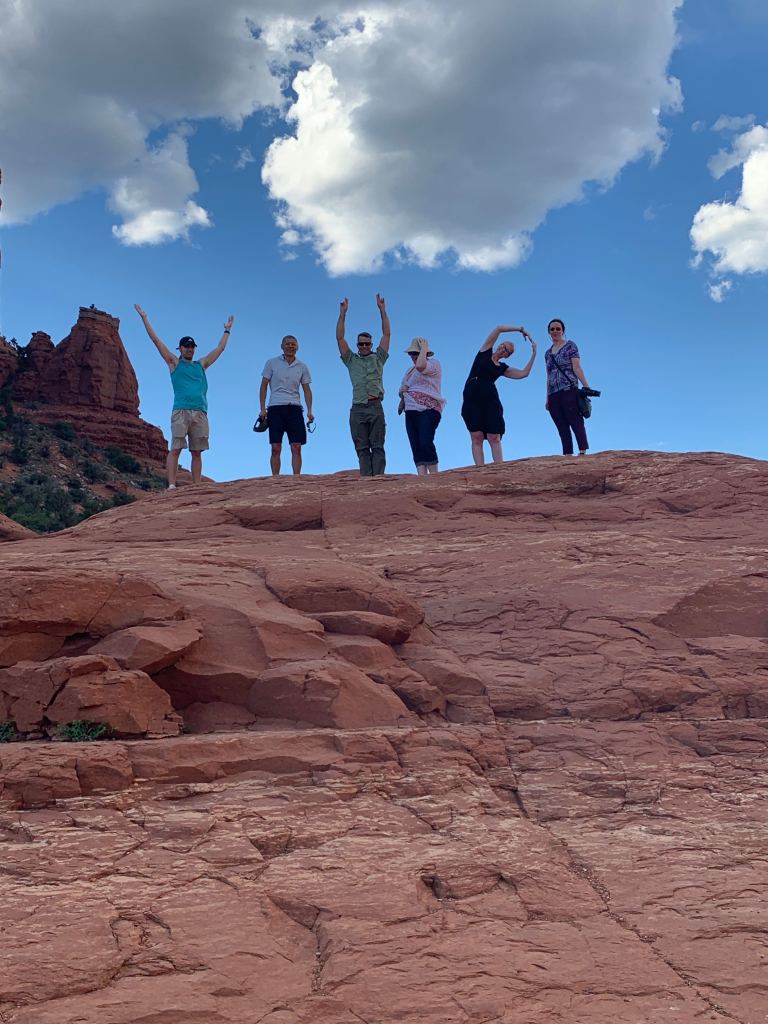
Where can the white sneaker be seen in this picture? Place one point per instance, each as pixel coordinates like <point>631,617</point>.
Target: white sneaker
<point>171,487</point>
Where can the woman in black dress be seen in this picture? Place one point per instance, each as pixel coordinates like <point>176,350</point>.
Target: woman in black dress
<point>481,409</point>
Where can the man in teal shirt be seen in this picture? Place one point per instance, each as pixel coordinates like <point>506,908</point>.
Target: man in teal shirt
<point>366,417</point>
<point>189,418</point>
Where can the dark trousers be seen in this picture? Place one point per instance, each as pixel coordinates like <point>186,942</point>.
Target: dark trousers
<point>367,426</point>
<point>564,409</point>
<point>421,427</point>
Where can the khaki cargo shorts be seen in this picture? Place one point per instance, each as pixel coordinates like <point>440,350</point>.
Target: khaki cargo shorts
<point>192,423</point>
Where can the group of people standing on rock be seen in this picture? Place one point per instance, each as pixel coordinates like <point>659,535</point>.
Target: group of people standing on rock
<point>285,376</point>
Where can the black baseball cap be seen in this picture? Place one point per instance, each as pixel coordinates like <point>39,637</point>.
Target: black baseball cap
<point>187,342</point>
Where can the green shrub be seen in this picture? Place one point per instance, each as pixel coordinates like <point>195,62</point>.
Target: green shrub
<point>19,455</point>
<point>75,488</point>
<point>122,461</point>
<point>7,732</point>
<point>122,498</point>
<point>38,502</point>
<point>152,483</point>
<point>91,505</point>
<point>64,431</point>
<point>93,471</point>
<point>83,732</point>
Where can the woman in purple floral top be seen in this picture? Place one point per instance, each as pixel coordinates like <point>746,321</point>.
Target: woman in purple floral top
<point>564,373</point>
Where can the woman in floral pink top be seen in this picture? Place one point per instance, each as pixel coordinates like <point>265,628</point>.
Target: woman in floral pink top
<point>423,404</point>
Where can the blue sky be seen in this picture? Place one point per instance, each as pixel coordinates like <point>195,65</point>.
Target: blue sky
<point>393,191</point>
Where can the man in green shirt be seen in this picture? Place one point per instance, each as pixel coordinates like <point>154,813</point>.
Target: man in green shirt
<point>366,417</point>
<point>189,418</point>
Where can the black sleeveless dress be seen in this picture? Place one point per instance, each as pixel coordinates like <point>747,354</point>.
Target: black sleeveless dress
<point>481,408</point>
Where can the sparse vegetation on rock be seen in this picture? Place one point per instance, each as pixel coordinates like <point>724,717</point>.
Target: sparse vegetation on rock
<point>82,732</point>
<point>50,479</point>
<point>7,732</point>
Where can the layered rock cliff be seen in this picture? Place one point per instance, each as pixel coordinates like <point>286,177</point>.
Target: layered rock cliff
<point>481,747</point>
<point>86,380</point>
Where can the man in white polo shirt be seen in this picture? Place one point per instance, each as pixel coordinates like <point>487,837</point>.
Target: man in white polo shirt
<point>283,375</point>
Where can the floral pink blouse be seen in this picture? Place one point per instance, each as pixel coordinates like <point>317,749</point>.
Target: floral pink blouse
<point>421,388</point>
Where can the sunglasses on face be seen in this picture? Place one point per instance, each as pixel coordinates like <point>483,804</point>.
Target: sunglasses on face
<point>555,330</point>
<point>364,344</point>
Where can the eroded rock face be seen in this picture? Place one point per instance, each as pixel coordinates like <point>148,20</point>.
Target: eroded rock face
<point>259,662</point>
<point>514,775</point>
<point>7,362</point>
<point>9,530</point>
<point>41,696</point>
<point>88,381</point>
<point>27,386</point>
<point>48,619</point>
<point>90,367</point>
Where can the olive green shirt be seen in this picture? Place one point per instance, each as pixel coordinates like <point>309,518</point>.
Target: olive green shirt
<point>366,372</point>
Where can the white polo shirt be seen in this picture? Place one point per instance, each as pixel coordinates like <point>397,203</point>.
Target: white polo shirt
<point>284,380</point>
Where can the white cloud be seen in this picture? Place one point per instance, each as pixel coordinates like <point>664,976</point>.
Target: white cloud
<point>743,147</point>
<point>153,200</point>
<point>509,253</point>
<point>244,157</point>
<point>422,129</point>
<point>719,289</point>
<point>434,130</point>
<point>83,85</point>
<point>735,234</point>
<point>728,123</point>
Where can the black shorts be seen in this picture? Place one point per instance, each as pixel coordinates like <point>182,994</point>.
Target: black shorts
<point>286,419</point>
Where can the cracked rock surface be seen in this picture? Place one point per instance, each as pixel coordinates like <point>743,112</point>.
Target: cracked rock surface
<point>482,748</point>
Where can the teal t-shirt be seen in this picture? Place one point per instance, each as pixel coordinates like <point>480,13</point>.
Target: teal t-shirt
<point>190,386</point>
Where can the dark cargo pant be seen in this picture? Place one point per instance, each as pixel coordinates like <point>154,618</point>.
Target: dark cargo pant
<point>366,423</point>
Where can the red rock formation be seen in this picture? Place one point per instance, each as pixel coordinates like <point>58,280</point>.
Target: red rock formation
<point>7,362</point>
<point>39,697</point>
<point>513,774</point>
<point>90,367</point>
<point>28,382</point>
<point>88,381</point>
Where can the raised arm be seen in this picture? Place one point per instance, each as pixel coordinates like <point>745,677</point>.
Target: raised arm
<point>519,374</point>
<point>163,349</point>
<point>421,358</point>
<point>214,354</point>
<point>576,364</point>
<point>340,328</point>
<point>308,399</point>
<point>385,328</point>
<point>493,337</point>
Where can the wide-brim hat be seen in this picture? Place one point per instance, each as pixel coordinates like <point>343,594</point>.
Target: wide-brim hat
<point>415,347</point>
